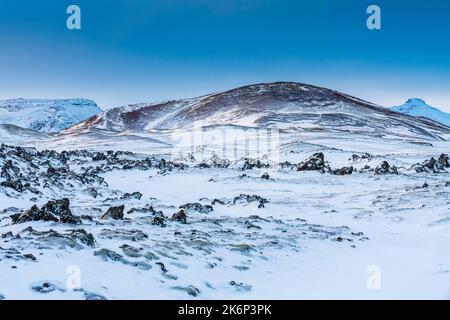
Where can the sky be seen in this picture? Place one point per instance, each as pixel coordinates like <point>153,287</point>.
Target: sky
<point>130,51</point>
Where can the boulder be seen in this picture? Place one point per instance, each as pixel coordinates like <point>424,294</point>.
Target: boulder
<point>115,213</point>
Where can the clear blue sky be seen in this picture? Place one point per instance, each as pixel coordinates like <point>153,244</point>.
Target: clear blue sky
<point>146,50</point>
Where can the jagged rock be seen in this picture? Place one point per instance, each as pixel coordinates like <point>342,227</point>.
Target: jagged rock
<point>364,156</point>
<point>366,168</point>
<point>162,266</point>
<point>433,165</point>
<point>99,156</point>
<point>190,290</point>
<point>214,162</point>
<point>71,239</point>
<point>249,164</point>
<point>197,207</point>
<point>9,170</point>
<point>124,234</point>
<point>146,209</point>
<point>33,214</point>
<point>45,287</point>
<point>131,251</point>
<point>106,254</point>
<point>129,196</point>
<point>287,165</point>
<point>66,218</point>
<point>115,213</point>
<point>343,171</point>
<point>83,236</point>
<point>315,163</point>
<point>444,160</point>
<point>180,216</point>
<point>250,225</point>
<point>58,207</point>
<point>92,192</point>
<point>241,287</point>
<point>385,168</point>
<point>159,220</point>
<point>110,255</point>
<point>49,212</point>
<point>245,198</point>
<point>7,235</point>
<point>217,201</point>
<point>29,256</point>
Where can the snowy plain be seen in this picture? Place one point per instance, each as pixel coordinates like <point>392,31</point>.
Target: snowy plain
<point>317,237</point>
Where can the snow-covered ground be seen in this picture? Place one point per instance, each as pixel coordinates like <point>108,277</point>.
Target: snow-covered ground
<point>304,235</point>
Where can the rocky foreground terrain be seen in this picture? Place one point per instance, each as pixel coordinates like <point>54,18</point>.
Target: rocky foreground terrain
<point>134,226</point>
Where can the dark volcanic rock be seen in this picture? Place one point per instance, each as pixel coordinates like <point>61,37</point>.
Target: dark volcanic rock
<point>45,287</point>
<point>49,212</point>
<point>364,156</point>
<point>83,236</point>
<point>343,171</point>
<point>433,165</point>
<point>124,234</point>
<point>134,195</point>
<point>106,254</point>
<point>385,168</point>
<point>444,161</point>
<point>131,251</point>
<point>315,163</point>
<point>71,238</point>
<point>159,220</point>
<point>245,198</point>
<point>190,290</point>
<point>115,213</point>
<point>180,216</point>
<point>249,164</point>
<point>197,207</point>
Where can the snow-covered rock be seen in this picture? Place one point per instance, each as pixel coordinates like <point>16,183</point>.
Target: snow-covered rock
<point>419,108</point>
<point>46,115</point>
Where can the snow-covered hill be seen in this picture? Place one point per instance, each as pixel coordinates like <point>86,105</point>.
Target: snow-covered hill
<point>284,105</point>
<point>419,108</point>
<point>46,115</point>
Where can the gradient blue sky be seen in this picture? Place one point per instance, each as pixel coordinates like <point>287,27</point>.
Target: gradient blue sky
<point>147,50</point>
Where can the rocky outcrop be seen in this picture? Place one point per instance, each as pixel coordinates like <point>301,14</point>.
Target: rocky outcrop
<point>433,165</point>
<point>180,216</point>
<point>55,211</point>
<point>197,207</point>
<point>245,199</point>
<point>115,213</point>
<point>315,163</point>
<point>385,168</point>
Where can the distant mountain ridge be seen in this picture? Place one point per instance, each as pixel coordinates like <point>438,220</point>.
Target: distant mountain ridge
<point>285,105</point>
<point>419,108</point>
<point>47,116</point>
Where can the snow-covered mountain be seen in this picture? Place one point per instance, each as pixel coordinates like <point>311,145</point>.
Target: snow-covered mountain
<point>419,108</point>
<point>286,105</point>
<point>46,115</point>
